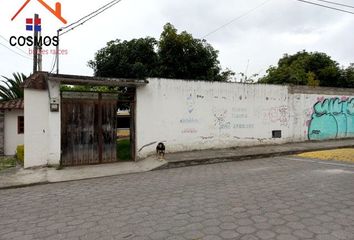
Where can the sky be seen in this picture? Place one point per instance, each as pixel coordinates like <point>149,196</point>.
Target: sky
<point>249,44</point>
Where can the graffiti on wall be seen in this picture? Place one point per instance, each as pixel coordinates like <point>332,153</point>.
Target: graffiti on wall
<point>189,121</point>
<point>332,118</point>
<point>242,118</point>
<point>278,115</point>
<point>220,119</point>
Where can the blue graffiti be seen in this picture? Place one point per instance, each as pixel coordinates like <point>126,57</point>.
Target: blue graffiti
<point>332,118</point>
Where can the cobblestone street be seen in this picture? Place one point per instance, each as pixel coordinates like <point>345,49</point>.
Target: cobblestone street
<point>277,198</point>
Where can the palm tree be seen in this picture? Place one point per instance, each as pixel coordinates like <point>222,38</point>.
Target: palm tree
<point>11,88</point>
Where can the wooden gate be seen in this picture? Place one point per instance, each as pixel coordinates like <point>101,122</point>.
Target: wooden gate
<point>88,128</point>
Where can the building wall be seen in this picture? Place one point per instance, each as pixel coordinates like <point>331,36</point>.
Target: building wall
<point>42,128</point>
<point>12,138</point>
<point>194,115</point>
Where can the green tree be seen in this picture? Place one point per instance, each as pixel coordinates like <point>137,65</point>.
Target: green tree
<point>11,88</point>
<point>184,57</point>
<point>311,80</point>
<point>175,55</point>
<point>348,76</point>
<point>130,59</point>
<point>305,68</point>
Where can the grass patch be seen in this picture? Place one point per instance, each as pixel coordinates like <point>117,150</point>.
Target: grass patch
<point>343,155</point>
<point>123,150</point>
<point>7,162</point>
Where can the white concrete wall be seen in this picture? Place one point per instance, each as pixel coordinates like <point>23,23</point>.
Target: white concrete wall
<point>12,138</point>
<point>42,128</point>
<point>193,115</point>
<point>54,122</point>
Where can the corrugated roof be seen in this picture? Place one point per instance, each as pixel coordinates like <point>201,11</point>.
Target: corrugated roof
<point>12,104</point>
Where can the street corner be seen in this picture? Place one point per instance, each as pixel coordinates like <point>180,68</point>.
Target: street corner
<point>341,155</point>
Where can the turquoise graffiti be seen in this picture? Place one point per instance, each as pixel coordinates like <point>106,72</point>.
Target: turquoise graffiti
<point>332,118</point>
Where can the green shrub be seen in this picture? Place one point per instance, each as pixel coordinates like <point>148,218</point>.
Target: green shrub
<point>7,162</point>
<point>20,153</point>
<point>123,150</point>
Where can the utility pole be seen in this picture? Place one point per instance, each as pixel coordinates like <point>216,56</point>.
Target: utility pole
<point>35,47</point>
<point>40,55</point>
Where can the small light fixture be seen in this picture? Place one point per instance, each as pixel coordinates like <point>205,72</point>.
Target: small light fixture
<point>54,105</point>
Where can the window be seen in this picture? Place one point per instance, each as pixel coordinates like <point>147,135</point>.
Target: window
<point>20,125</point>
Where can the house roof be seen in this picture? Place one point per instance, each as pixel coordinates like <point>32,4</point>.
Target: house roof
<point>12,104</point>
<point>38,80</point>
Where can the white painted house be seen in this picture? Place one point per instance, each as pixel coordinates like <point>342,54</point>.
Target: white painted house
<point>11,126</point>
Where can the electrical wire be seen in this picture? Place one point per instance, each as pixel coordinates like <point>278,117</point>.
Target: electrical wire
<point>335,3</point>
<point>325,6</point>
<point>14,46</point>
<point>88,15</point>
<point>237,18</point>
<point>54,62</point>
<point>92,15</point>
<point>80,23</point>
<point>15,51</point>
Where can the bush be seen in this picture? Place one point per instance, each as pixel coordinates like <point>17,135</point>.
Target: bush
<point>7,162</point>
<point>20,153</point>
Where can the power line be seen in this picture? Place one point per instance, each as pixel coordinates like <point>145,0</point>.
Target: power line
<point>325,6</point>
<point>335,3</point>
<point>15,51</point>
<point>14,46</point>
<point>53,63</point>
<point>88,15</point>
<point>92,15</point>
<point>79,23</point>
<point>237,18</point>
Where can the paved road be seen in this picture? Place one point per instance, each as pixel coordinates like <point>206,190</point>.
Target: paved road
<point>277,198</point>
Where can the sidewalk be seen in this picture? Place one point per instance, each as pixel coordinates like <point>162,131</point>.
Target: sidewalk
<point>18,177</point>
<point>182,159</point>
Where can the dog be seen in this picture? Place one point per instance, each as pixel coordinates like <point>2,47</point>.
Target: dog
<point>160,150</point>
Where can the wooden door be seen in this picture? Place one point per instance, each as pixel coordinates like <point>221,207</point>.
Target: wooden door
<point>88,129</point>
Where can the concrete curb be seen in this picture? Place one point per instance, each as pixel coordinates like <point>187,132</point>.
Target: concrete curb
<point>24,185</point>
<point>214,160</point>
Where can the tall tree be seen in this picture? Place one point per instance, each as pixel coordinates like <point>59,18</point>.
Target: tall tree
<point>175,55</point>
<point>348,76</point>
<point>182,56</point>
<point>11,88</point>
<point>305,68</point>
<point>130,59</point>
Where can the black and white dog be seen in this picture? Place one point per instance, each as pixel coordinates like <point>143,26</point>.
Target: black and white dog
<point>160,150</point>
